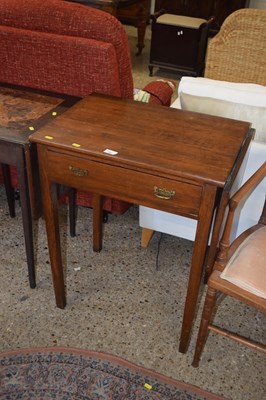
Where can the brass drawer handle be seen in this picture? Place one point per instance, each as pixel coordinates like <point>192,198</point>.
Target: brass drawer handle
<point>163,193</point>
<point>78,171</point>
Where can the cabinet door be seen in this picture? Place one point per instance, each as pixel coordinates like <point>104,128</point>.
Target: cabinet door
<point>175,47</point>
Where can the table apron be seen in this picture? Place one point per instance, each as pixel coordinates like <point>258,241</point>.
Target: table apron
<point>9,152</point>
<point>175,196</point>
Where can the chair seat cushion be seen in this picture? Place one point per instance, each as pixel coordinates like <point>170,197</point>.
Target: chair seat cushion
<point>180,20</point>
<point>247,267</point>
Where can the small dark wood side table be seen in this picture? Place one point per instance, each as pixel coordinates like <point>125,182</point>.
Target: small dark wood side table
<point>172,160</point>
<point>24,110</point>
<point>132,12</point>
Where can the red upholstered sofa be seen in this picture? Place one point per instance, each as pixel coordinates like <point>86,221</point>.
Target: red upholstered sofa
<point>68,48</point>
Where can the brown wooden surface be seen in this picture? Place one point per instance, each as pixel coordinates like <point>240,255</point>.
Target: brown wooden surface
<point>177,143</point>
<point>194,155</point>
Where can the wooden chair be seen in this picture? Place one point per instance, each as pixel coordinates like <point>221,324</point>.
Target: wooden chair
<point>239,270</point>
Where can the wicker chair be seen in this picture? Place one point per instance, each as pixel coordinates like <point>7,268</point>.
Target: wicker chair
<point>238,52</point>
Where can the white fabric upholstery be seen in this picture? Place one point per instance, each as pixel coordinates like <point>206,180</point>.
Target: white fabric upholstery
<point>241,101</point>
<point>242,93</point>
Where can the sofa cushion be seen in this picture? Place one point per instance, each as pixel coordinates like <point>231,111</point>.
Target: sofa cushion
<point>159,92</point>
<point>67,23</point>
<point>242,101</point>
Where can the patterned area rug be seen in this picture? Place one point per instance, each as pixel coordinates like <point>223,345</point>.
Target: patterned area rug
<point>64,373</point>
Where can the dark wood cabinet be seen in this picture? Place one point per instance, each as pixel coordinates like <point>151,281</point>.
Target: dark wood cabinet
<point>178,44</point>
<point>220,9</point>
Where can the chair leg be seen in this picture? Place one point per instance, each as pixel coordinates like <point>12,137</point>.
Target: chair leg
<point>150,69</point>
<point>141,34</point>
<point>146,236</point>
<point>72,211</point>
<point>10,195</point>
<point>209,305</point>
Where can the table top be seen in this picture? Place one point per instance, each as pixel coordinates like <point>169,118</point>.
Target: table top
<point>149,138</point>
<point>22,110</point>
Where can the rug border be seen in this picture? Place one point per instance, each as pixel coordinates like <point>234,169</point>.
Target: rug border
<point>114,358</point>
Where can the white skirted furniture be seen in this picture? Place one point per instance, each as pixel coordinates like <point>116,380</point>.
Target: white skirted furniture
<point>234,86</point>
<point>231,100</point>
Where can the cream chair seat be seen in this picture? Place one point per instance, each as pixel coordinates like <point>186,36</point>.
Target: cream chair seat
<point>239,271</point>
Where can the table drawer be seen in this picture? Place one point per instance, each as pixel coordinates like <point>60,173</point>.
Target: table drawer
<point>125,184</point>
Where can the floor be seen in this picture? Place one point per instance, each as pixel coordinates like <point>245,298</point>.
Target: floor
<point>125,300</point>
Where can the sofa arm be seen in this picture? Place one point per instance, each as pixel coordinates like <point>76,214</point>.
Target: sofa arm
<point>156,92</point>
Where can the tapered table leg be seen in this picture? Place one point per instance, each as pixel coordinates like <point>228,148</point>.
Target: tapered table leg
<point>50,210</point>
<point>26,214</point>
<point>198,257</point>
<point>97,222</point>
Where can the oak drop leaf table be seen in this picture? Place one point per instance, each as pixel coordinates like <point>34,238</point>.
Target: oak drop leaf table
<point>24,109</point>
<point>173,160</point>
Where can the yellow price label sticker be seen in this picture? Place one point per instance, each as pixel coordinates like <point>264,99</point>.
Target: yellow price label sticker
<point>148,386</point>
<point>76,145</point>
<point>48,137</point>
